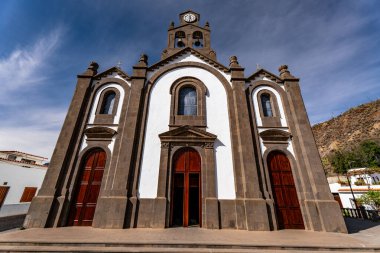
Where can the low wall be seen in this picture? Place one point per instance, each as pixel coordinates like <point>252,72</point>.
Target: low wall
<point>11,222</point>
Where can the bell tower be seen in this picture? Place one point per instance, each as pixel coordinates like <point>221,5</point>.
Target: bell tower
<point>189,33</point>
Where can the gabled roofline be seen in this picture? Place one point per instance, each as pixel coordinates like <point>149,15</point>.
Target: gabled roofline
<point>267,74</point>
<point>15,151</point>
<point>110,70</point>
<point>192,51</point>
<point>187,128</point>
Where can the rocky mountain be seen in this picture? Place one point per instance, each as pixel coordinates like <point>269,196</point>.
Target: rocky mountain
<point>348,129</point>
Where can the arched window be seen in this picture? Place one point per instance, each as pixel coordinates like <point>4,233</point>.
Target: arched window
<point>266,105</point>
<point>197,39</point>
<point>179,39</point>
<point>187,104</point>
<point>108,103</point>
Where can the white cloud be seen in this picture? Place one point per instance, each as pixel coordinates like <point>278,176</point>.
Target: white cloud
<point>26,67</point>
<point>33,131</point>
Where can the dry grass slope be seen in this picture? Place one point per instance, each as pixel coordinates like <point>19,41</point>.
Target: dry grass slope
<point>348,129</point>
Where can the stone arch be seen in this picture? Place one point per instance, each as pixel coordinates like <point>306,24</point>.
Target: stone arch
<point>229,103</point>
<point>268,121</point>
<point>82,159</point>
<point>122,90</point>
<point>171,67</point>
<point>201,90</point>
<point>296,176</point>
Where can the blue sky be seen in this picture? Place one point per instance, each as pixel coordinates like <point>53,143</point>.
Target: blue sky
<point>333,46</point>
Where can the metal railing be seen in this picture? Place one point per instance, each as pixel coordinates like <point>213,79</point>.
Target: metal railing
<point>360,213</point>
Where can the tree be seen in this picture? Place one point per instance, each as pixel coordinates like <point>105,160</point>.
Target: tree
<point>341,161</point>
<point>371,198</point>
<point>368,154</point>
<point>365,155</point>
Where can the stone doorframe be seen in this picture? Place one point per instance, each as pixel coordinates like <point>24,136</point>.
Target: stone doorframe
<point>279,140</point>
<point>203,143</point>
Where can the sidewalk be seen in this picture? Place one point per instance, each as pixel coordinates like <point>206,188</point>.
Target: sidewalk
<point>194,239</point>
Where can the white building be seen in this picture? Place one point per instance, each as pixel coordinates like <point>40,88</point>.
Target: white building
<point>21,176</point>
<point>362,180</point>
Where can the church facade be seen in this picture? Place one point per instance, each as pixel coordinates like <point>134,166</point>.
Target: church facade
<point>186,142</point>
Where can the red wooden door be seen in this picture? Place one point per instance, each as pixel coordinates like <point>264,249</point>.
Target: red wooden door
<point>288,209</point>
<point>186,189</point>
<point>87,189</point>
<point>3,194</point>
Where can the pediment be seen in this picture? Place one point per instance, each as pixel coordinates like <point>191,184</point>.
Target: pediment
<point>187,133</point>
<point>275,135</point>
<point>110,73</point>
<point>261,73</point>
<point>99,132</point>
<point>189,50</point>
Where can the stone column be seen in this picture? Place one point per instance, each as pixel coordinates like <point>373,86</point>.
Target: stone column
<point>324,211</point>
<point>250,194</point>
<point>42,205</point>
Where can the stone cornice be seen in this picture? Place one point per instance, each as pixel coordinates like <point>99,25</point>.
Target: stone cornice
<point>267,74</point>
<point>110,71</point>
<point>184,51</point>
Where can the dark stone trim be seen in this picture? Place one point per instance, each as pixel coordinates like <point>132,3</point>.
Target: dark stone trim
<point>275,136</point>
<point>67,200</point>
<point>194,120</point>
<point>275,120</point>
<point>61,203</point>
<point>265,73</point>
<point>99,133</point>
<point>101,118</point>
<point>110,71</point>
<point>282,147</point>
<point>184,51</point>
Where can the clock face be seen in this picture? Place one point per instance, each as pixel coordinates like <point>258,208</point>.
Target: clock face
<point>189,17</point>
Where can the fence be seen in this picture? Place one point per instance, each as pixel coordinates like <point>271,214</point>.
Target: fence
<point>360,213</point>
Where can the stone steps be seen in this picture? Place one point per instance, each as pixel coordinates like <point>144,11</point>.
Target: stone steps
<point>34,246</point>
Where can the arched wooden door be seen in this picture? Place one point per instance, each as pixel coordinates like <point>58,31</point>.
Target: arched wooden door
<point>186,189</point>
<point>87,189</point>
<point>287,206</point>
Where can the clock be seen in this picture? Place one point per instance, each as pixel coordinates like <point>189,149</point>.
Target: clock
<point>189,17</point>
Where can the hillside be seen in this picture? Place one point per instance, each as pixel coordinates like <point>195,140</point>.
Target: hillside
<point>348,129</point>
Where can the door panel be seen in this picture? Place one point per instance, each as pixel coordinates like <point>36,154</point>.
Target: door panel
<point>186,189</point>
<point>287,206</point>
<point>88,188</point>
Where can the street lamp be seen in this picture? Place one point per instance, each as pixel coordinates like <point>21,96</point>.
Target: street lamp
<point>349,183</point>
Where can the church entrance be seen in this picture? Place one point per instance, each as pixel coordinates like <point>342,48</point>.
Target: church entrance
<point>287,206</point>
<point>186,189</point>
<point>87,189</point>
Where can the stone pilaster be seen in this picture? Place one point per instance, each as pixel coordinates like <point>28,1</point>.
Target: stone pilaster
<point>248,189</point>
<point>161,202</point>
<point>323,210</point>
<point>211,217</point>
<point>41,208</point>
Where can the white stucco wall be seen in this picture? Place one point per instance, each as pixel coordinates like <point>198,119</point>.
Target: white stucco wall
<point>96,102</point>
<point>17,178</point>
<point>217,123</point>
<point>257,108</point>
<point>95,105</point>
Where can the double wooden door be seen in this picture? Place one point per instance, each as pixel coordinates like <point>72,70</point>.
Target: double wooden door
<point>87,189</point>
<point>186,189</point>
<point>286,202</point>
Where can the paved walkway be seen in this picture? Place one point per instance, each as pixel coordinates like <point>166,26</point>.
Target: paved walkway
<point>365,238</point>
